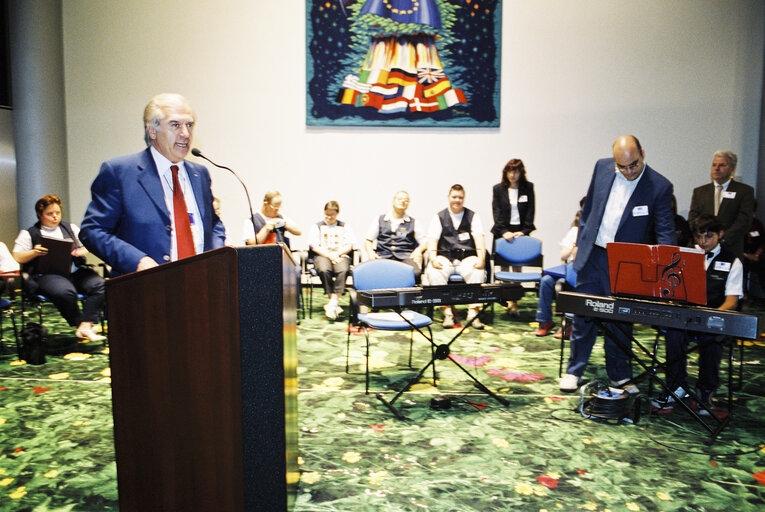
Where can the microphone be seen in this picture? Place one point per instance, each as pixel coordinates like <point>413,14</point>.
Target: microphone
<point>196,152</point>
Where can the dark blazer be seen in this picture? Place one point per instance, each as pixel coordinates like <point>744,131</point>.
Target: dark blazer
<point>128,219</point>
<point>647,218</point>
<point>500,206</point>
<point>735,213</point>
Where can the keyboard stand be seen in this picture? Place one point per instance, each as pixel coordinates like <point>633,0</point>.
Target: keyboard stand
<point>714,427</point>
<point>440,352</point>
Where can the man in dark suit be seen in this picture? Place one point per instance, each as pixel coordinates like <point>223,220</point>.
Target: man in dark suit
<point>627,202</point>
<point>730,201</point>
<point>134,220</point>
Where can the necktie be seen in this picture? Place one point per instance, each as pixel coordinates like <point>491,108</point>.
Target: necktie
<point>718,193</point>
<point>183,238</point>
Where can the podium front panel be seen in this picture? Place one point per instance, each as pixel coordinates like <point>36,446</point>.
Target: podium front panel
<point>199,366</point>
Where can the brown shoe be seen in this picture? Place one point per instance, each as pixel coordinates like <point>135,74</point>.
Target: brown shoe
<point>544,328</point>
<point>559,333</point>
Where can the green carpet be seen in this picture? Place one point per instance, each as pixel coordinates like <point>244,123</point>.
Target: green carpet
<point>538,453</point>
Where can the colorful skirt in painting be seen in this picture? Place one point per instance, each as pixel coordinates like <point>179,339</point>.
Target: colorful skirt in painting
<point>401,73</point>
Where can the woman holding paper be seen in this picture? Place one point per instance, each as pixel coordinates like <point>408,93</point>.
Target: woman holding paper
<point>61,288</point>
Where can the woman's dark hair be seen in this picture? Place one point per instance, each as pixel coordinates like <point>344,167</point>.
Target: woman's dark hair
<point>514,164</point>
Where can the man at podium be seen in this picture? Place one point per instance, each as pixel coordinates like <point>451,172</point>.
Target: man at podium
<point>153,207</point>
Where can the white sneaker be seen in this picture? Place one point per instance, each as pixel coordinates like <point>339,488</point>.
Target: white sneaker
<point>477,324</point>
<point>569,383</point>
<point>89,334</point>
<point>630,388</point>
<point>448,319</point>
<point>331,311</point>
<point>667,402</point>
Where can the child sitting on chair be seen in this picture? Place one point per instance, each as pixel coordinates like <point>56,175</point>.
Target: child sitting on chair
<point>725,282</point>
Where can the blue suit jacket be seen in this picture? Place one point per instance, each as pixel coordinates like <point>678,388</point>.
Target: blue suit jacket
<point>128,219</point>
<point>653,191</point>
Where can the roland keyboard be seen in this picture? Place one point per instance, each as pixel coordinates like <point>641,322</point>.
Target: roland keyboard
<point>440,295</point>
<point>661,314</point>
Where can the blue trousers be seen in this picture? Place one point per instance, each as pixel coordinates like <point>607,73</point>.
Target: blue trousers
<point>546,297</point>
<point>593,279</point>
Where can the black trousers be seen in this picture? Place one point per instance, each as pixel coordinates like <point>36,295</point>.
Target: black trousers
<point>62,292</point>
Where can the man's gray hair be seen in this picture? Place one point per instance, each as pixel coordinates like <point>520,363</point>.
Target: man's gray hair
<point>728,155</point>
<point>154,112</point>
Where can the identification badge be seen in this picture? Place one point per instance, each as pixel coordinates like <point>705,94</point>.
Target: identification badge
<point>722,266</point>
<point>640,211</point>
<point>727,194</point>
<point>523,199</point>
<point>463,236</point>
<point>754,234</point>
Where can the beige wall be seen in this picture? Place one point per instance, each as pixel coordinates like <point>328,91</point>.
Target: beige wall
<point>684,76</point>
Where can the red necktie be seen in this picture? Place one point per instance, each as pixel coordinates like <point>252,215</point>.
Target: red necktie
<point>183,238</point>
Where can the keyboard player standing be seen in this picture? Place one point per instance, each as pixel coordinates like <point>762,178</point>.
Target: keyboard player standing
<point>627,201</point>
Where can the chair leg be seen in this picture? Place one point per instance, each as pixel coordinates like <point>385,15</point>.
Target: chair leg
<point>366,335</point>
<point>740,364</point>
<point>564,326</point>
<point>411,342</point>
<point>348,349</point>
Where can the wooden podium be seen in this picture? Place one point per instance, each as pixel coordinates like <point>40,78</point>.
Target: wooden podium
<point>203,362</point>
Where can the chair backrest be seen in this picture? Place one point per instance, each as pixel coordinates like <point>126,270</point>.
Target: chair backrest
<point>570,275</point>
<point>377,274</point>
<point>523,249</point>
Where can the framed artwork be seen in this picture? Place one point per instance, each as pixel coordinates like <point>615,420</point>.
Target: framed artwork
<point>412,63</point>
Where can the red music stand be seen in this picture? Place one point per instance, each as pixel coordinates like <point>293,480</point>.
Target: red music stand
<point>664,272</point>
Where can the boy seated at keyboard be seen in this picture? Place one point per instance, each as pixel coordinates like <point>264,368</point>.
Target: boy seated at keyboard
<point>725,283</point>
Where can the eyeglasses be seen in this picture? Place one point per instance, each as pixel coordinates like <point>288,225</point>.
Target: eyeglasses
<point>630,167</point>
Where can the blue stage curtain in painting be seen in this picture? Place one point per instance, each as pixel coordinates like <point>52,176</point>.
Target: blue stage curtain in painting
<point>424,12</point>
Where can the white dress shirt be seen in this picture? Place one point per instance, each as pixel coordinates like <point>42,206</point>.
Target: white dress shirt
<point>166,177</point>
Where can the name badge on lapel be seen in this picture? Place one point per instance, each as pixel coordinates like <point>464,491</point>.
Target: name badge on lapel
<point>727,194</point>
<point>523,199</point>
<point>640,211</point>
<point>722,266</point>
<point>463,236</point>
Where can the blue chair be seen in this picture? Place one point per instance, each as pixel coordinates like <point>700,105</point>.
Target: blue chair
<point>375,275</point>
<point>524,251</point>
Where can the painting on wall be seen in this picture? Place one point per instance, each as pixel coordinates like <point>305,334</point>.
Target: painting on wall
<point>427,63</point>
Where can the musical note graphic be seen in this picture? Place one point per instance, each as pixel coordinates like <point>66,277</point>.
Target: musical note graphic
<point>671,277</point>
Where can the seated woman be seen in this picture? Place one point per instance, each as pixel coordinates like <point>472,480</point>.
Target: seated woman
<point>271,225</point>
<point>62,290</point>
<point>332,241</point>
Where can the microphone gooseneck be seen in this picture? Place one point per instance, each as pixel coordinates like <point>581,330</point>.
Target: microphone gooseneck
<point>196,152</point>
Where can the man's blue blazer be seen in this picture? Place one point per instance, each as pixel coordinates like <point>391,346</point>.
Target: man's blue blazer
<point>128,219</point>
<point>648,217</point>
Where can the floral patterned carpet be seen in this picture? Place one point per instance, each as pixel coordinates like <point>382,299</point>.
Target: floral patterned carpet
<point>537,453</point>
